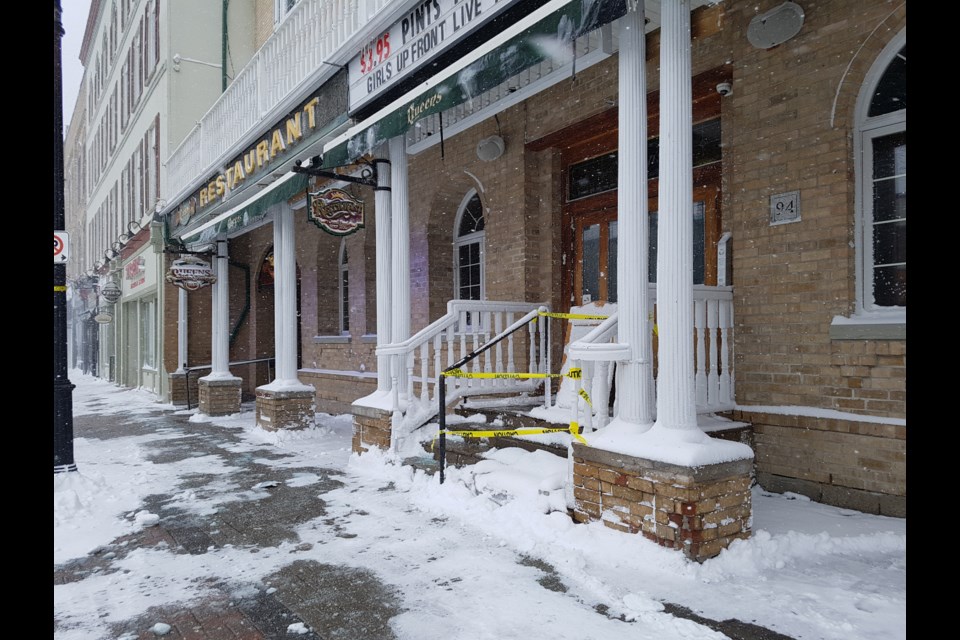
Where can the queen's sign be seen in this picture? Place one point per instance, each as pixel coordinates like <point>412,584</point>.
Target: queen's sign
<point>190,273</point>
<point>335,211</point>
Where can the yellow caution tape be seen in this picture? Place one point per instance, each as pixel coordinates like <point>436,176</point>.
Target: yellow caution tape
<point>572,316</point>
<point>460,373</point>
<point>583,394</point>
<point>573,429</point>
<point>59,287</point>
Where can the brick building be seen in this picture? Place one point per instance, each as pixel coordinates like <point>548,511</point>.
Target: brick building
<point>550,180</point>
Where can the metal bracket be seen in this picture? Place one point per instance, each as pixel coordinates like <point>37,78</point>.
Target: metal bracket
<point>367,177</point>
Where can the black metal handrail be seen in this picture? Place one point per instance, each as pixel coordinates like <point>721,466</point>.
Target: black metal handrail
<point>442,382</point>
<point>203,367</point>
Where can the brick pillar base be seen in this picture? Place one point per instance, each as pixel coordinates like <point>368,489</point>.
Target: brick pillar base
<point>285,409</point>
<point>178,389</point>
<point>219,396</point>
<point>699,511</point>
<point>371,428</point>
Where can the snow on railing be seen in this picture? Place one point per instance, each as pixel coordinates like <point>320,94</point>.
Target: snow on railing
<point>466,327</point>
<point>713,355</point>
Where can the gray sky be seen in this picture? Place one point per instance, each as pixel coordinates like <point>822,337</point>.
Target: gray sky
<point>74,18</point>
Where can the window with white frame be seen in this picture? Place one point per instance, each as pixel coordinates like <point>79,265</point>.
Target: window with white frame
<point>148,326</point>
<point>468,249</point>
<point>881,156</point>
<point>344,289</point>
<point>282,8</point>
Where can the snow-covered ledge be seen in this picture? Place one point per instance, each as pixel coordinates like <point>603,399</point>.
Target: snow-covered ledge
<point>876,325</point>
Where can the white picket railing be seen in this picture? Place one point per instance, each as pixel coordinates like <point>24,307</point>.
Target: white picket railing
<point>309,35</point>
<point>467,326</point>
<point>713,352</point>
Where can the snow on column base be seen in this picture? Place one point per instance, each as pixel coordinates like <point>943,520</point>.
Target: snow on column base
<point>697,510</point>
<point>219,396</point>
<point>371,428</point>
<point>287,407</point>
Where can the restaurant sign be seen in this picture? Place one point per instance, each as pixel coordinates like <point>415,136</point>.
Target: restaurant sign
<point>190,273</point>
<point>335,211</point>
<point>255,161</point>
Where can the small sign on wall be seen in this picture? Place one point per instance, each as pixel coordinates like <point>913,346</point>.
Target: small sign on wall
<point>784,208</point>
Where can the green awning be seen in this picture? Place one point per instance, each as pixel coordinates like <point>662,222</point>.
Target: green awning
<point>248,214</point>
<point>551,37</point>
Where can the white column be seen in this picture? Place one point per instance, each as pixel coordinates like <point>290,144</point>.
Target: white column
<point>220,328</point>
<point>382,203</point>
<point>181,330</point>
<point>633,304</point>
<point>400,211</point>
<point>278,294</point>
<point>676,389</point>
<point>285,309</point>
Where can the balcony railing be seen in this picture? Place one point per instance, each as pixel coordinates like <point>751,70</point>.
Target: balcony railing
<point>311,33</point>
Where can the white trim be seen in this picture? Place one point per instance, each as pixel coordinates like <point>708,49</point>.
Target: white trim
<point>865,130</point>
<point>478,237</point>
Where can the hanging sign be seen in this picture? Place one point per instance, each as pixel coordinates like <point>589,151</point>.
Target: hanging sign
<point>190,273</point>
<point>110,292</point>
<point>335,211</point>
<point>103,318</point>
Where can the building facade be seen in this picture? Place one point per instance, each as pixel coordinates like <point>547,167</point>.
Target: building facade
<point>550,162</point>
<point>150,72</point>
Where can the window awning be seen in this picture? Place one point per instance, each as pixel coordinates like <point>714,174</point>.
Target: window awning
<point>548,32</point>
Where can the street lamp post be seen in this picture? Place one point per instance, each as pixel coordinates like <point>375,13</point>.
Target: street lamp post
<point>62,387</point>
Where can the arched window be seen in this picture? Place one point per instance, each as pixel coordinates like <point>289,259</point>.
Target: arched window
<point>880,148</point>
<point>468,249</point>
<point>344,289</point>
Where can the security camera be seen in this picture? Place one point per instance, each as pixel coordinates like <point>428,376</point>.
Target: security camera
<point>724,89</point>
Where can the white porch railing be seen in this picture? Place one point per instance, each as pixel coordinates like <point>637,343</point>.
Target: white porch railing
<point>713,353</point>
<point>467,326</point>
<point>309,35</point>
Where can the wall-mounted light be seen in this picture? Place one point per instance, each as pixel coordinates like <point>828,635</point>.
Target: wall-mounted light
<point>118,245</point>
<point>133,228</point>
<point>98,265</point>
<point>110,254</point>
<point>177,59</point>
<point>491,148</point>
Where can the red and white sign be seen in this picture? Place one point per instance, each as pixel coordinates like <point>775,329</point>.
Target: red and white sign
<point>61,247</point>
<point>425,31</point>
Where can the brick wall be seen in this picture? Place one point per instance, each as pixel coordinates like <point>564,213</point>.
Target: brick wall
<point>790,280</point>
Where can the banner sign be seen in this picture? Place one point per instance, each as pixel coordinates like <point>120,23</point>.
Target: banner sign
<point>335,211</point>
<point>553,37</point>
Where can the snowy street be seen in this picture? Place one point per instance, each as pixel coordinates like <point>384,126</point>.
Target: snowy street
<point>180,525</point>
